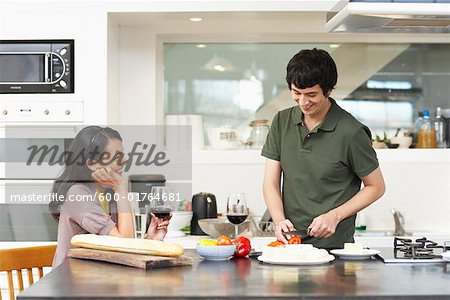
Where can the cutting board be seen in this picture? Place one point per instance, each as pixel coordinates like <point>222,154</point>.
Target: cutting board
<point>130,259</point>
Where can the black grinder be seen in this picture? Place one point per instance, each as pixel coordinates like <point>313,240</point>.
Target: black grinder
<point>204,206</point>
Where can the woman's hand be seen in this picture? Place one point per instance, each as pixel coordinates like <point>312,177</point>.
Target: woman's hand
<point>107,178</point>
<point>283,226</point>
<point>158,228</point>
<point>324,225</point>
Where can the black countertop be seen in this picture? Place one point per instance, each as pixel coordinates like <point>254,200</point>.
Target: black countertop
<point>239,278</point>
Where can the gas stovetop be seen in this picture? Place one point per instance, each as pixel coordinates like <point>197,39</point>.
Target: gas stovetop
<point>413,251</point>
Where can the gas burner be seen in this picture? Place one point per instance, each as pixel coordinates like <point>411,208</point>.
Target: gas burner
<point>419,249</point>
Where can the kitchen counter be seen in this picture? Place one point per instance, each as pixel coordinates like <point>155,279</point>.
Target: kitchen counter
<point>78,279</point>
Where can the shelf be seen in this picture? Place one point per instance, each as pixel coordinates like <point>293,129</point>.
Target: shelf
<point>252,157</point>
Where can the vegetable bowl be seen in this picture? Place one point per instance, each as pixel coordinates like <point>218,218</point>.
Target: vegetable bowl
<point>214,252</point>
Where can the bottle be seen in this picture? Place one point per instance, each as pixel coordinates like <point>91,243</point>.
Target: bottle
<point>427,133</point>
<point>361,221</point>
<point>439,126</point>
<point>416,129</point>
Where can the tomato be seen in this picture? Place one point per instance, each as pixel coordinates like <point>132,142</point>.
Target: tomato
<point>224,240</point>
<point>276,244</point>
<point>243,246</point>
<point>295,240</point>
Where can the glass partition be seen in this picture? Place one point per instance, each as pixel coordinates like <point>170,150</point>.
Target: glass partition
<point>383,85</point>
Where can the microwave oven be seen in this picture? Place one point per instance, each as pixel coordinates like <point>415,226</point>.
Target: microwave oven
<point>36,66</point>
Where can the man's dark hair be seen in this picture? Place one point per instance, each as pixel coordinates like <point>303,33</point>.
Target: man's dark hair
<point>310,67</point>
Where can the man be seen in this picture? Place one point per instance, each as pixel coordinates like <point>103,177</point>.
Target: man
<point>323,153</point>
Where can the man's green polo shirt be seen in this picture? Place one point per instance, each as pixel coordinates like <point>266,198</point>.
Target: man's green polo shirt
<point>321,168</point>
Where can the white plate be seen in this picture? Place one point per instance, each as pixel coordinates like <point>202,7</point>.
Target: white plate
<point>446,256</point>
<point>324,260</point>
<point>367,253</point>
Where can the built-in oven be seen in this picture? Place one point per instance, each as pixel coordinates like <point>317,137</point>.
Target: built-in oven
<point>36,66</point>
<point>25,183</point>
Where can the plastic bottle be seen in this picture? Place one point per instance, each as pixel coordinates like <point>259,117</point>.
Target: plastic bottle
<point>439,126</point>
<point>361,221</point>
<point>427,133</point>
<point>416,130</point>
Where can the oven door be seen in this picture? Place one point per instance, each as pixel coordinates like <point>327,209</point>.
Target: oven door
<point>22,174</point>
<point>25,189</point>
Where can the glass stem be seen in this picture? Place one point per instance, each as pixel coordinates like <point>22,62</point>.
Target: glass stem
<point>236,231</point>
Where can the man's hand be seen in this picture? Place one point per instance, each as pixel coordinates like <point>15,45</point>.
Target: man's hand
<point>324,225</point>
<point>283,226</point>
<point>158,228</point>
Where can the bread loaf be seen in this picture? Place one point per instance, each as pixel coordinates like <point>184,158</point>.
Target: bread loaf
<point>128,245</point>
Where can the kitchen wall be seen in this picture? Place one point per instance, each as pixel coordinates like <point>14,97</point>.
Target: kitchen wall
<point>417,184</point>
<point>84,23</point>
<point>119,67</point>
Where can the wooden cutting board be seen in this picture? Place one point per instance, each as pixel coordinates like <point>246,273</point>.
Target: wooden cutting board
<point>129,259</point>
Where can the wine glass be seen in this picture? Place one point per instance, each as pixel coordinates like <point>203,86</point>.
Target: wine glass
<point>161,203</point>
<point>237,210</point>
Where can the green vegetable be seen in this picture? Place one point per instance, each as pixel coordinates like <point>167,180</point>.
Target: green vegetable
<point>384,139</point>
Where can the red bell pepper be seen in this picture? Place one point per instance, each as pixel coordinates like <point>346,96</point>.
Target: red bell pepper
<point>243,246</point>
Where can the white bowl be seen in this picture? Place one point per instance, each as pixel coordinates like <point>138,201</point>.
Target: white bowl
<point>217,227</point>
<point>216,252</point>
<point>179,220</point>
<point>402,141</point>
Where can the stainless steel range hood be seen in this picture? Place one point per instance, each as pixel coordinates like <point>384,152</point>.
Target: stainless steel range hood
<point>390,17</point>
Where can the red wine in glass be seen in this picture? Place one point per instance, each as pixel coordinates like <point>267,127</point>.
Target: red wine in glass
<point>236,219</point>
<point>161,212</point>
<point>237,210</point>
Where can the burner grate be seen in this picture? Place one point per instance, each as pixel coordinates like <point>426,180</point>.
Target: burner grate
<point>419,249</point>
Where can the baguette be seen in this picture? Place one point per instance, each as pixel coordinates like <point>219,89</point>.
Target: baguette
<point>127,245</point>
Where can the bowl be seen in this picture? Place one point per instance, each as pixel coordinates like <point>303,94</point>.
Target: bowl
<point>216,252</point>
<point>402,141</point>
<point>179,220</point>
<point>392,146</point>
<point>221,226</point>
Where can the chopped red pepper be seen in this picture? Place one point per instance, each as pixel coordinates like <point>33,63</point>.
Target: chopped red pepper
<point>295,240</point>
<point>243,246</point>
<point>276,244</point>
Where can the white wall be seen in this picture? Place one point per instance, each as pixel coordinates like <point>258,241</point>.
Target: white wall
<point>137,76</point>
<point>55,20</point>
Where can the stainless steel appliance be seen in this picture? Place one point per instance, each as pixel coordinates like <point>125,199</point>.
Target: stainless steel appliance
<point>36,66</point>
<point>143,183</point>
<point>204,206</point>
<point>406,250</point>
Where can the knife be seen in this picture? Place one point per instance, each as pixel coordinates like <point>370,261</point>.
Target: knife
<point>300,232</point>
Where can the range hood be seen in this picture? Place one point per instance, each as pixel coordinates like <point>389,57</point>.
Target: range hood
<point>397,17</point>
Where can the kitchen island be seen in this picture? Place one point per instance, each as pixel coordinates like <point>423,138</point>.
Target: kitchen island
<point>244,278</point>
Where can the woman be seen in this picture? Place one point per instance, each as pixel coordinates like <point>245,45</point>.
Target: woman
<point>93,175</point>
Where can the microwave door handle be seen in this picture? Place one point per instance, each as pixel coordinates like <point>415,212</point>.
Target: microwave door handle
<point>55,80</point>
<point>47,71</point>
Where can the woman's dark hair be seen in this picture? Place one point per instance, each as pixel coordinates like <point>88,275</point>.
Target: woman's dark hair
<point>310,67</point>
<point>89,144</point>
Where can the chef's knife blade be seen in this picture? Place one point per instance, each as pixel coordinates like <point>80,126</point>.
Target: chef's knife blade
<point>301,232</point>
